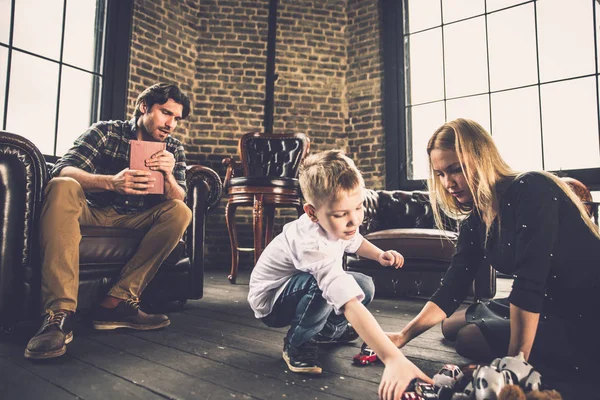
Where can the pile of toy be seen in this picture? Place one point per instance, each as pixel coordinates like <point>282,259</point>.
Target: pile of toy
<point>507,378</point>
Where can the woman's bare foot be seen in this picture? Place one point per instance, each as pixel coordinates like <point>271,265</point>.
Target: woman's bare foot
<point>397,338</point>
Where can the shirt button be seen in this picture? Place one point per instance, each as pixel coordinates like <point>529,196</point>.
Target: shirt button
<point>126,202</point>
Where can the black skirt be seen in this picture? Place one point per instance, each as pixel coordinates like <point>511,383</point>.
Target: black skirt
<point>559,344</point>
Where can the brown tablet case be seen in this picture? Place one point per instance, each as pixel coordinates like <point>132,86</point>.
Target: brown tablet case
<point>141,151</point>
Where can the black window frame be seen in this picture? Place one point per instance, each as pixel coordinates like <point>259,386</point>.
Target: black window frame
<point>394,103</point>
<point>115,64</point>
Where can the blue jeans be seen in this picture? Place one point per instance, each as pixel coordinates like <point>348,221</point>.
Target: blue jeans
<point>302,306</point>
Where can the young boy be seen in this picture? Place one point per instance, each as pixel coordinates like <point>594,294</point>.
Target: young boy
<point>299,280</point>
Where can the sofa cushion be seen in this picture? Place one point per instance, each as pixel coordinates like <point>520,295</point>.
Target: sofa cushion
<point>417,243</point>
<point>108,247</point>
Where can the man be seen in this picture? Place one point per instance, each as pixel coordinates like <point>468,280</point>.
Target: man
<point>93,185</point>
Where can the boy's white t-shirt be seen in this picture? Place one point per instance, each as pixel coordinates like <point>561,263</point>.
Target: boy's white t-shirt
<point>303,246</point>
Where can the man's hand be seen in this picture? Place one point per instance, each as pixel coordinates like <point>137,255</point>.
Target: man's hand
<point>391,258</point>
<point>163,161</point>
<point>397,375</point>
<point>131,181</point>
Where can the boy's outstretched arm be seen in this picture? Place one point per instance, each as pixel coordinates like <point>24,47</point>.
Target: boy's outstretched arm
<point>399,371</point>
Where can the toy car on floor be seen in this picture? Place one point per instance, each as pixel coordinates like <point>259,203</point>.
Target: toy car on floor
<point>426,391</point>
<point>366,356</point>
<point>447,376</point>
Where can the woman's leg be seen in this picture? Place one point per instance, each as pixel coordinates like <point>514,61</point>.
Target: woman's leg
<point>452,324</point>
<point>471,344</point>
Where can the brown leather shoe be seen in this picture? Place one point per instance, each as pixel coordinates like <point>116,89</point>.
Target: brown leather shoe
<point>127,314</point>
<point>52,338</point>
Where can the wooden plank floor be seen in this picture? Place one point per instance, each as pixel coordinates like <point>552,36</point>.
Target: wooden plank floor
<point>214,349</point>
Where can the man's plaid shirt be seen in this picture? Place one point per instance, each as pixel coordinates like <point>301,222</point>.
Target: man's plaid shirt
<point>104,150</point>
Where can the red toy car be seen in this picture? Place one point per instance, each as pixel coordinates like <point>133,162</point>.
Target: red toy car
<point>366,356</point>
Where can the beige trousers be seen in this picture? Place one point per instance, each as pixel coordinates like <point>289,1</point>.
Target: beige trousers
<point>65,209</point>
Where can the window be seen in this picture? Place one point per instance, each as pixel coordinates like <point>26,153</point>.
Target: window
<point>502,63</point>
<point>53,73</point>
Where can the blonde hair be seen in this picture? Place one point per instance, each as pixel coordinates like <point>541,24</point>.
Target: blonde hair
<point>323,176</point>
<point>483,168</point>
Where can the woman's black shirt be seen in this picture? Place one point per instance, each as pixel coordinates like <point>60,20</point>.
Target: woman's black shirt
<point>541,240</point>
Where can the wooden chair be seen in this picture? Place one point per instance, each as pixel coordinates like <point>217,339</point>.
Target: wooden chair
<point>265,178</point>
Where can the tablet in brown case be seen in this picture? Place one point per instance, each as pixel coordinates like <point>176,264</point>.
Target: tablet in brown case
<point>141,151</point>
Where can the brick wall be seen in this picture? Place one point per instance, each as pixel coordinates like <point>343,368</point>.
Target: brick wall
<point>163,49</point>
<point>329,82</point>
<point>364,80</point>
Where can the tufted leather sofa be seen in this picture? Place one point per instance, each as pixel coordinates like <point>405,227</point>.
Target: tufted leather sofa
<point>403,221</point>
<point>103,251</point>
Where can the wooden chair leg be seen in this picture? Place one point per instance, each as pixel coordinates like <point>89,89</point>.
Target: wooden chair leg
<point>257,217</point>
<point>269,218</point>
<point>235,254</point>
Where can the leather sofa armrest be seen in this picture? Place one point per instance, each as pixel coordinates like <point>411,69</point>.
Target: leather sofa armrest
<point>23,176</point>
<point>204,189</point>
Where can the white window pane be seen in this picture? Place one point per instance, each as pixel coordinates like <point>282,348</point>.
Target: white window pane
<point>516,128</point>
<point>476,108</point>
<point>466,59</point>
<point>493,5</point>
<point>568,51</point>
<point>3,67</point>
<point>38,26</point>
<point>570,124</point>
<point>513,61</point>
<point>423,14</point>
<point>5,7</point>
<point>425,71</point>
<point>424,120</point>
<point>81,33</point>
<point>75,109</point>
<point>32,100</point>
<point>458,9</point>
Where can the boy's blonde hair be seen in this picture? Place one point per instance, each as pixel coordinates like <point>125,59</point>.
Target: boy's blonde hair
<point>323,176</point>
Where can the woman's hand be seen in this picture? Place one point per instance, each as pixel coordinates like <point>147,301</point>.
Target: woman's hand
<point>397,375</point>
<point>430,315</point>
<point>391,258</point>
<point>398,338</point>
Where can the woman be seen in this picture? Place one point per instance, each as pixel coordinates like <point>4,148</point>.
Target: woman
<point>529,225</point>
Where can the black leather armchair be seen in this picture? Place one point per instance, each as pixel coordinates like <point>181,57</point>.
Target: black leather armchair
<point>103,251</point>
<point>403,221</point>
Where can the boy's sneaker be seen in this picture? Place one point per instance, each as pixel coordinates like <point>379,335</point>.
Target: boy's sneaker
<point>348,336</point>
<point>127,314</point>
<point>302,359</point>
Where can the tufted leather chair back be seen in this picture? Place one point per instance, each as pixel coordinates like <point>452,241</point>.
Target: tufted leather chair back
<point>274,155</point>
